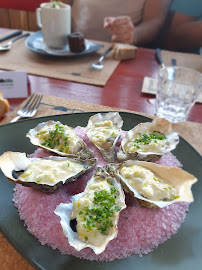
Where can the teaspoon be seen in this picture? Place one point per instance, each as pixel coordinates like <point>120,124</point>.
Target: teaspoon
<point>7,46</point>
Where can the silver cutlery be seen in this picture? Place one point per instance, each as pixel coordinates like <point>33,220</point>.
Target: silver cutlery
<point>8,45</point>
<point>159,58</point>
<point>171,71</point>
<point>30,108</point>
<point>174,62</point>
<point>98,65</point>
<point>13,34</point>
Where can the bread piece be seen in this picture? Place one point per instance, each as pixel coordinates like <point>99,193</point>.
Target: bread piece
<point>4,105</point>
<point>123,51</point>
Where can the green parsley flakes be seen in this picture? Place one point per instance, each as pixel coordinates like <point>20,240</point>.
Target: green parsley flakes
<point>100,215</point>
<point>57,138</point>
<point>145,139</point>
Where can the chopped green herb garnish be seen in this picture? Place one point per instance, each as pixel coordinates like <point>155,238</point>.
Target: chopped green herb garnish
<point>100,214</point>
<point>157,180</point>
<point>55,3</point>
<point>146,139</point>
<point>113,190</point>
<point>56,138</point>
<point>117,208</point>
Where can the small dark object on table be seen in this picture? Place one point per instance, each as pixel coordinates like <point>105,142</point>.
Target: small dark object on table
<point>76,42</point>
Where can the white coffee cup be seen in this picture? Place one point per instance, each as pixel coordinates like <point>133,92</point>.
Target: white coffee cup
<point>55,23</point>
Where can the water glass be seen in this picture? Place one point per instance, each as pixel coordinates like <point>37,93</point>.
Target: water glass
<point>177,91</point>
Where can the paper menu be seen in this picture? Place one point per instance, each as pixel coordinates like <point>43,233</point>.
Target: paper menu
<point>13,84</point>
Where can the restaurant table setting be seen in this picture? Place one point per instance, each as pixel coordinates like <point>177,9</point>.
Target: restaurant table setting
<point>71,67</point>
<point>187,60</point>
<point>32,56</point>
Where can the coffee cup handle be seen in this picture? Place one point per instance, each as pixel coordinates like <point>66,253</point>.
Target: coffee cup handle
<point>38,17</point>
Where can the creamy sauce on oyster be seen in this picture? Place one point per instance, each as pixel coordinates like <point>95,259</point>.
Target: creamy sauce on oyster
<point>103,134</point>
<point>59,137</point>
<point>50,172</point>
<point>96,212</point>
<point>147,184</point>
<point>153,142</point>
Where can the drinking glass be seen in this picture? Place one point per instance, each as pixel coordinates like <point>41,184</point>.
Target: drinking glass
<point>177,91</point>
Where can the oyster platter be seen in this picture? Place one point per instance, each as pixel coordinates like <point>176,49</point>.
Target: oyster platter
<point>106,193</point>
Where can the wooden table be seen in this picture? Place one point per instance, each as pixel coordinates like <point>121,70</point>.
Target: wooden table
<point>123,90</point>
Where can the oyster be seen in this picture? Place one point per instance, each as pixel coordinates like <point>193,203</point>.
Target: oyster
<point>104,130</point>
<point>91,219</point>
<point>46,174</point>
<point>153,185</point>
<point>148,141</point>
<point>60,139</point>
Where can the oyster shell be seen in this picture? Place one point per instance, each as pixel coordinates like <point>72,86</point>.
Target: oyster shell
<point>60,139</point>
<point>148,141</point>
<point>91,219</point>
<point>153,185</point>
<point>104,130</point>
<point>46,174</point>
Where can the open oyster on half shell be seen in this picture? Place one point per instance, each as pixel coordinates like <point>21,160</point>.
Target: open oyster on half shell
<point>148,141</point>
<point>104,131</point>
<point>91,219</point>
<point>153,185</point>
<point>46,174</point>
<point>60,139</point>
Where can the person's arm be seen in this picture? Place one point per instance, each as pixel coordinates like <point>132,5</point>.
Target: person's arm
<point>123,30</point>
<point>154,16</point>
<point>185,36</point>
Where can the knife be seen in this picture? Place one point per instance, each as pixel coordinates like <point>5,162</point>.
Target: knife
<point>174,62</point>
<point>13,34</point>
<point>158,57</point>
<point>170,71</point>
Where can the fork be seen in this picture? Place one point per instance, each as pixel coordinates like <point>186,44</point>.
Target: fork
<point>30,108</point>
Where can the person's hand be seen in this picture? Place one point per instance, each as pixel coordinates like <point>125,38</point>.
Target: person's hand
<point>122,29</point>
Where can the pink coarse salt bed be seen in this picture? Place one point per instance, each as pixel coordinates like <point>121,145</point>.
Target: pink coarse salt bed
<point>140,230</point>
